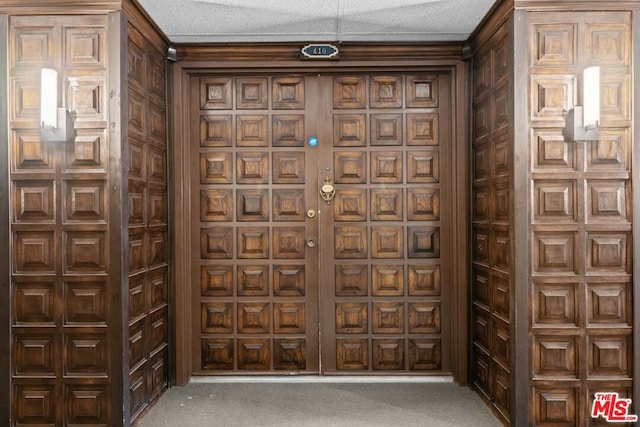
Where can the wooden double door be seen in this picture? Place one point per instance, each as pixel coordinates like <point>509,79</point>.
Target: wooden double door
<point>320,223</point>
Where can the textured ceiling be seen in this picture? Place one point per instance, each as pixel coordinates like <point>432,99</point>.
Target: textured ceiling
<point>189,21</point>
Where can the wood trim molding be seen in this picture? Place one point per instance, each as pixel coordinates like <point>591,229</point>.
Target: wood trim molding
<point>635,131</point>
<point>141,20</point>
<point>118,219</point>
<point>42,7</point>
<point>291,52</point>
<point>5,288</point>
<point>493,21</point>
<point>564,5</point>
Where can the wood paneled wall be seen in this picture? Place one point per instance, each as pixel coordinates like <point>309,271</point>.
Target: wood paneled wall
<point>580,209</point>
<point>492,282</point>
<point>61,367</point>
<point>73,273</point>
<point>146,150</point>
<point>569,214</point>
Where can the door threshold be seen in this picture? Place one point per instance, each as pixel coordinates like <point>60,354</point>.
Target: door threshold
<point>322,379</point>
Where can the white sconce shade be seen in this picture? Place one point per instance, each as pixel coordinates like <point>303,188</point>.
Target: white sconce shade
<point>591,97</point>
<point>56,124</point>
<point>49,98</point>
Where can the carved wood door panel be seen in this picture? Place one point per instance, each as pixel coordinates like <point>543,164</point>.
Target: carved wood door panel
<point>372,284</point>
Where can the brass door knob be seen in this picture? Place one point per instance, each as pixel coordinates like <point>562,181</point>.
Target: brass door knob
<point>311,242</point>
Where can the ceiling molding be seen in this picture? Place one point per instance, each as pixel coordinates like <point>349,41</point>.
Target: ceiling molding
<point>569,5</point>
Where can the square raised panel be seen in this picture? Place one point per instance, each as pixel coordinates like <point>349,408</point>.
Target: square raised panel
<point>87,151</point>
<point>555,406</point>
<point>423,242</point>
<point>385,91</point>
<point>481,287</point>
<point>388,317</point>
<point>386,167</point>
<point>289,354</point>
<point>254,317</point>
<point>216,205</point>
<point>388,354</point>
<point>215,93</point>
<point>424,317</point>
<point>216,243</point>
<point>252,205</point>
<point>423,167</point>
<point>608,304</point>
<point>554,45</point>
<point>609,356</point>
<point>85,252</point>
<point>554,201</point>
<point>351,280</point>
<point>217,318</point>
<point>288,205</point>
<point>84,47</point>
<point>216,168</point>
<point>84,201</point>
<point>33,46</point>
<point>25,99</point>
<point>351,318</point>
<point>289,280</point>
<point>85,355</point>
<point>35,404</point>
<point>252,93</point>
<point>289,167</point>
<point>349,92</point>
<point>425,354</point>
<point>482,165</point>
<point>34,303</point>
<point>216,280</point>
<point>252,131</point>
<point>386,129</point>
<point>216,131</point>
<point>34,252</point>
<point>481,125</point>
<point>552,97</point>
<point>34,355</point>
<point>288,93</point>
<point>87,404</point>
<point>422,129</point>
<point>386,204</point>
<point>252,167</point>
<point>555,305</point>
<point>29,153</point>
<point>607,201</point>
<point>387,242</point>
<point>288,131</point>
<point>611,152</point>
<point>253,242</point>
<point>423,279</point>
<point>387,280</point>
<point>253,354</point>
<point>608,252</point>
<point>289,318</point>
<point>352,354</point>
<point>85,303</point>
<point>350,205</point>
<point>253,280</point>
<point>86,100</point>
<point>607,44</point>
<point>555,253</point>
<point>551,151</point>
<point>350,167</point>
<point>422,91</point>
<point>555,357</point>
<point>289,242</point>
<point>349,130</point>
<point>615,100</point>
<point>423,204</point>
<point>217,353</point>
<point>350,242</point>
<point>33,201</point>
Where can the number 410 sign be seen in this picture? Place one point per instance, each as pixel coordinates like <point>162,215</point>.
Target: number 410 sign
<point>320,51</point>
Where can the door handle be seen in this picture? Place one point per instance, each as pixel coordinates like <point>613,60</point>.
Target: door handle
<point>327,190</point>
<point>311,242</point>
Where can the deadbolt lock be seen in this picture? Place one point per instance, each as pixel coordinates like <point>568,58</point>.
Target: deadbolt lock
<point>312,242</point>
<point>311,213</point>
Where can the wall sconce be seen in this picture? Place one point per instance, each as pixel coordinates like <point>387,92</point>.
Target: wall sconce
<point>583,122</point>
<point>56,124</point>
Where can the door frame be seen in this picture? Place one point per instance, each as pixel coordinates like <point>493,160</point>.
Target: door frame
<point>284,58</point>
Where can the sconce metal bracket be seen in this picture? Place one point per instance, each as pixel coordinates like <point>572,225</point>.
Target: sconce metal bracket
<point>63,132</point>
<point>573,129</point>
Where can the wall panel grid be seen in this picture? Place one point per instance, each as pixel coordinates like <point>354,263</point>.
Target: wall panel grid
<point>59,268</point>
<point>580,206</point>
<point>492,257</point>
<point>146,150</point>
